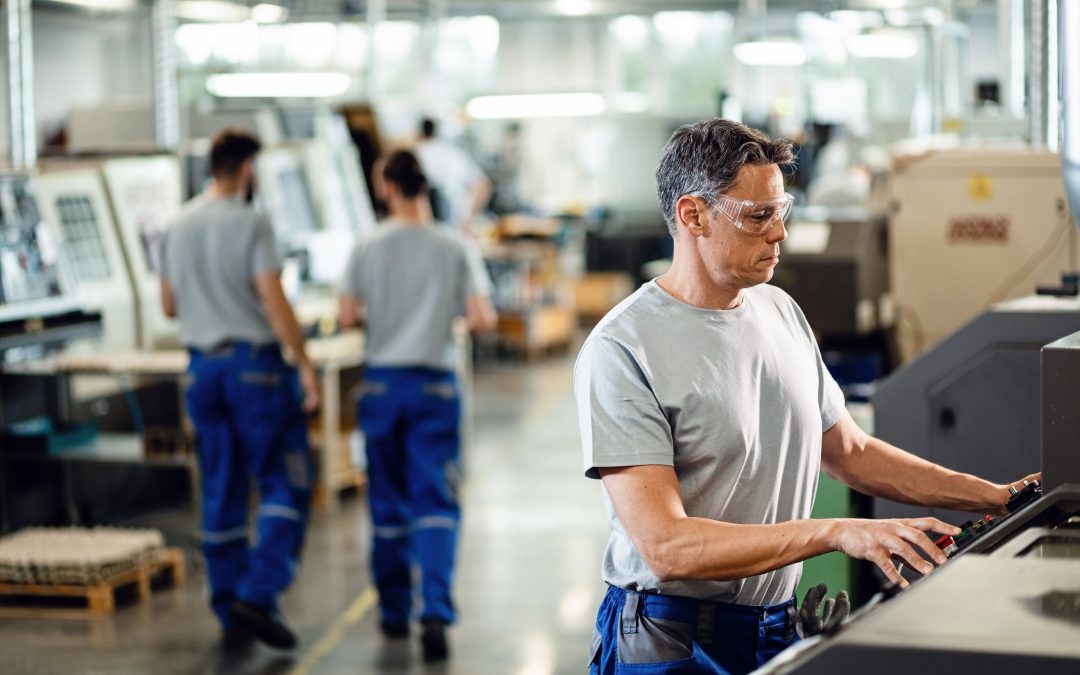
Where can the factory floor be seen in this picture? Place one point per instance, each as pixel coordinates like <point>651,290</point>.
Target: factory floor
<point>527,585</point>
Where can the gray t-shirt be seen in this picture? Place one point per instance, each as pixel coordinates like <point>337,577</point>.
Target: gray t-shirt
<point>413,281</point>
<point>735,400</point>
<point>211,256</point>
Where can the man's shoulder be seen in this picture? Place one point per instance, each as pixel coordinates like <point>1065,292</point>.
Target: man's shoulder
<point>625,322</point>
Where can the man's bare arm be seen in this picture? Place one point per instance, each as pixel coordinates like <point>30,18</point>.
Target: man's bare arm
<point>480,316</point>
<point>168,299</point>
<point>676,546</point>
<point>287,329</point>
<point>350,312</point>
<point>876,468</point>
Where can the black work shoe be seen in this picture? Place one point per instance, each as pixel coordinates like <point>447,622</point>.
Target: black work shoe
<point>394,631</point>
<point>236,640</point>
<point>433,641</point>
<point>266,626</point>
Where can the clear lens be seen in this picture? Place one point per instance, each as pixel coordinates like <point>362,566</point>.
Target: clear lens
<point>753,217</point>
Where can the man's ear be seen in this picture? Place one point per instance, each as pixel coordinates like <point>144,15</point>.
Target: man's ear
<point>688,215</point>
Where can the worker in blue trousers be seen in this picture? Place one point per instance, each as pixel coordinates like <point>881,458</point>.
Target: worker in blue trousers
<point>220,276</point>
<point>408,283</point>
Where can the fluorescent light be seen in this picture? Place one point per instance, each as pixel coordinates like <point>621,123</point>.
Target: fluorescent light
<point>104,5</point>
<point>535,105</point>
<point>883,45</point>
<point>573,7</point>
<point>267,13</point>
<point>215,11</point>
<point>277,85</point>
<point>771,53</point>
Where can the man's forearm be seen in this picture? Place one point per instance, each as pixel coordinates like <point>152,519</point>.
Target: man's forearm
<point>699,548</point>
<point>288,331</point>
<point>879,469</point>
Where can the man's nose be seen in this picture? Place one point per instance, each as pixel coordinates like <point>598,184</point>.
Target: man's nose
<point>777,233</point>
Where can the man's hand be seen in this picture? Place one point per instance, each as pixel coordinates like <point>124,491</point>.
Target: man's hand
<point>879,541</point>
<point>1003,493</point>
<point>832,611</point>
<point>309,382</point>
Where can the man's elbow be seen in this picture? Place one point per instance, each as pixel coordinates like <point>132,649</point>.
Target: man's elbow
<point>663,560</point>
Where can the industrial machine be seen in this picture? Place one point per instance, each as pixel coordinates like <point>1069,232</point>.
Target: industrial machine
<point>835,265</point>
<point>1008,598</point>
<point>971,403</point>
<point>37,305</point>
<point>75,208</point>
<point>972,227</point>
<point>145,194</point>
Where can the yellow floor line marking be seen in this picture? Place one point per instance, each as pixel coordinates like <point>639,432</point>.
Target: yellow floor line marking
<point>356,611</point>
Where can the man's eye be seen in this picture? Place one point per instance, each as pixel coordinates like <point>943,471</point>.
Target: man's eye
<point>762,216</point>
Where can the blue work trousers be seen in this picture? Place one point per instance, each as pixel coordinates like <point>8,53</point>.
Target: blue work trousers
<point>411,423</point>
<point>244,401</point>
<point>647,633</point>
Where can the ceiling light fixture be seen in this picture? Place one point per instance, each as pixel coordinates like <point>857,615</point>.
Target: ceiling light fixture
<point>535,105</point>
<point>573,7</point>
<point>772,52</point>
<point>267,13</point>
<point>277,85</point>
<point>212,11</point>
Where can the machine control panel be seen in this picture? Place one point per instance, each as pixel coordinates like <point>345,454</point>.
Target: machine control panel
<point>971,530</point>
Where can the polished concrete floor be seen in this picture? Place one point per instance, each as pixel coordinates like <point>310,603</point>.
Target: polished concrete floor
<point>528,569</point>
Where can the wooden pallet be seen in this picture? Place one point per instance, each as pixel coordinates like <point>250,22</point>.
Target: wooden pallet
<point>100,597</point>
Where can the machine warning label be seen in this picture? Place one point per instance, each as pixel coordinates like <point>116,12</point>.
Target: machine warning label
<point>978,228</point>
<point>980,187</point>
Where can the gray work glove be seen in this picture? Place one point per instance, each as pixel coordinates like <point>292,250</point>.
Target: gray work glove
<point>832,611</point>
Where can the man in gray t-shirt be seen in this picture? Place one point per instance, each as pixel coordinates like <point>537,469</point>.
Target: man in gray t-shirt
<point>408,283</point>
<point>706,410</point>
<point>220,276</point>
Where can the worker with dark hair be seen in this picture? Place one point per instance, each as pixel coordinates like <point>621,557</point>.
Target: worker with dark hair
<point>220,276</point>
<point>408,283</point>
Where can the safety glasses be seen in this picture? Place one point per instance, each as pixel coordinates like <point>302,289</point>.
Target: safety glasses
<point>750,216</point>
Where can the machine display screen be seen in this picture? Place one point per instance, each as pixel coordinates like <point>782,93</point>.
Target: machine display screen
<point>82,237</point>
<point>28,259</point>
<point>299,213</point>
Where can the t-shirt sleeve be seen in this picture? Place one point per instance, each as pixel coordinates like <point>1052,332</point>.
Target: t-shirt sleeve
<point>620,418</point>
<point>830,398</point>
<point>264,253</point>
<point>351,282</point>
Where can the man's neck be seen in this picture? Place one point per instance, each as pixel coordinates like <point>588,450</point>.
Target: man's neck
<point>688,281</point>
<point>411,212</point>
<point>225,189</point>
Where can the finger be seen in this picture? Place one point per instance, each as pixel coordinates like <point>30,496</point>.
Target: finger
<point>813,597</point>
<point>1034,477</point>
<point>908,556</point>
<point>929,524</point>
<point>886,566</point>
<point>917,538</point>
<point>840,611</point>
<point>827,610</point>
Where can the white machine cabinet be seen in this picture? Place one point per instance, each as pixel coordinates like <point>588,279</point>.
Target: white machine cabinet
<point>973,227</point>
<point>74,204</point>
<point>146,197</point>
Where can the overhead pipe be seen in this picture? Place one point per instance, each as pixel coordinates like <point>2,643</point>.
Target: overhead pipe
<point>166,88</point>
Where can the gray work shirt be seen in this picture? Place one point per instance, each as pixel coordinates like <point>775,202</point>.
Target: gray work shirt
<point>211,256</point>
<point>735,400</point>
<point>413,281</point>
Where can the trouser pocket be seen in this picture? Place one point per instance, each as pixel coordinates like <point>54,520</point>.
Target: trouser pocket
<point>645,640</point>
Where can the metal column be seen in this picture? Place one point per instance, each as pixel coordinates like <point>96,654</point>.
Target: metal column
<point>376,14</point>
<point>166,97</point>
<point>20,81</point>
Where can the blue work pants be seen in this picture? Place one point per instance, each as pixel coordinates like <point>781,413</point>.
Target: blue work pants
<point>411,423</point>
<point>244,401</point>
<point>648,633</point>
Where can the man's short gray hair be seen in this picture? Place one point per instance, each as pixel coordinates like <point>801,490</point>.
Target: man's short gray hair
<point>707,156</point>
